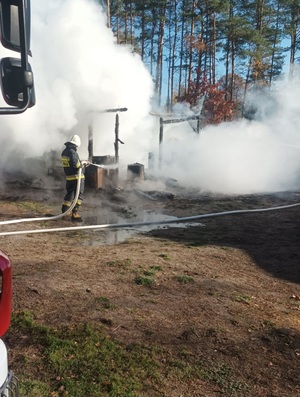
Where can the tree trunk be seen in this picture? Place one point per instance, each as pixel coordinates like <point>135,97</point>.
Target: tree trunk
<point>159,64</point>
<point>181,52</point>
<point>213,48</point>
<point>173,54</point>
<point>191,46</point>
<point>108,13</point>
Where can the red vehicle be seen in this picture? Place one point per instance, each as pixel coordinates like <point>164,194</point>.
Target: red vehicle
<point>8,383</point>
<point>18,92</point>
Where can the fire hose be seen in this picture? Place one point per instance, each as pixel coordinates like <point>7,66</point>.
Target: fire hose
<point>128,225</point>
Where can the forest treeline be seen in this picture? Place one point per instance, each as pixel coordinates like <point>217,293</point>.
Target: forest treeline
<point>216,51</point>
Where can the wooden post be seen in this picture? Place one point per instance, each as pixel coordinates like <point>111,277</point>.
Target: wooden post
<point>117,124</point>
<point>90,143</point>
<point>161,137</point>
<point>198,125</point>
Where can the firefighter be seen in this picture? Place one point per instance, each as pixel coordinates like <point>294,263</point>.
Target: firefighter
<point>71,164</point>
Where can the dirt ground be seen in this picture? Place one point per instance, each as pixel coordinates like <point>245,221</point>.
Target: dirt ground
<point>226,288</point>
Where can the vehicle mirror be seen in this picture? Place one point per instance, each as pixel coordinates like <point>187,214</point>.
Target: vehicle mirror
<point>10,15</point>
<point>16,83</point>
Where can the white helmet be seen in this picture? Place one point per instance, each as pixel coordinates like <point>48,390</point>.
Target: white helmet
<point>75,140</point>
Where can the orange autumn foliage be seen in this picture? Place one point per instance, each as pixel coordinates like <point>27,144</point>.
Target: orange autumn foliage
<point>216,109</point>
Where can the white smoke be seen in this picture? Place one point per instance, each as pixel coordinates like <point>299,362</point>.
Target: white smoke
<point>80,71</point>
<point>243,156</point>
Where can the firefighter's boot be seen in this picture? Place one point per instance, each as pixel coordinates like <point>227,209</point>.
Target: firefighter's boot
<point>64,209</point>
<point>76,217</point>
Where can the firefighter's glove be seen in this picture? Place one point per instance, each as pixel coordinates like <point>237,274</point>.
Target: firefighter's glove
<point>85,163</point>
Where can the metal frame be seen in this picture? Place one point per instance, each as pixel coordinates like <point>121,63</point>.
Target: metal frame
<point>10,388</point>
<point>162,121</point>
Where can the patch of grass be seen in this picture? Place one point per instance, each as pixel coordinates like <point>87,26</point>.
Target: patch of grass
<point>185,279</point>
<point>34,388</point>
<point>145,277</point>
<point>82,360</point>
<point>105,302</point>
<point>222,375</point>
<point>156,268</point>
<point>148,272</point>
<point>241,298</point>
<point>215,373</point>
<point>268,324</point>
<point>23,319</point>
<point>144,280</point>
<point>120,263</point>
<point>31,205</point>
<point>164,256</point>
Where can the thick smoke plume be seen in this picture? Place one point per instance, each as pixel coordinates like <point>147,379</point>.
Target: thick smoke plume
<point>80,72</point>
<point>243,156</point>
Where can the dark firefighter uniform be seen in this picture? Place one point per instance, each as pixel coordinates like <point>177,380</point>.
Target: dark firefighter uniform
<point>71,165</point>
